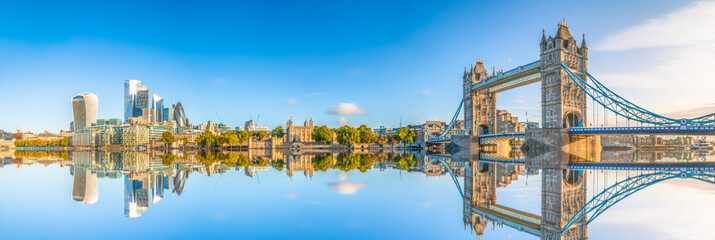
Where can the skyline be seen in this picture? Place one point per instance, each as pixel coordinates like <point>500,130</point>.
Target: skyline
<point>238,66</point>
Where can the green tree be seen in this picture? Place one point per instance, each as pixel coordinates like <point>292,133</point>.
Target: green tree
<point>323,134</point>
<point>65,141</point>
<point>322,162</point>
<point>347,162</point>
<point>167,159</point>
<point>347,135</point>
<point>381,139</point>
<point>207,139</point>
<point>278,132</point>
<point>261,135</point>
<point>405,162</point>
<point>366,134</point>
<point>405,135</point>
<point>168,138</point>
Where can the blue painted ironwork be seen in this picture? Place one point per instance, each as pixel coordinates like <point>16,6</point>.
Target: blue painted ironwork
<point>620,106</point>
<point>648,166</point>
<point>504,75</point>
<point>500,136</point>
<point>621,190</point>
<point>445,134</point>
<point>445,163</point>
<point>680,130</point>
<point>511,221</point>
<point>496,159</point>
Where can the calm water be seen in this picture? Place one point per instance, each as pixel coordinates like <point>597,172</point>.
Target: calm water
<point>385,196</point>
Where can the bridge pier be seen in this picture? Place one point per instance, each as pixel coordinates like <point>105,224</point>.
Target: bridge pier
<point>556,148</point>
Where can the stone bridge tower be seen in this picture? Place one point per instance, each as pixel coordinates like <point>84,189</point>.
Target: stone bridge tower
<point>563,103</point>
<point>480,107</point>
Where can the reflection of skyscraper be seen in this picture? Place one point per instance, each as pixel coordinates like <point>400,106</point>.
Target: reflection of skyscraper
<point>131,87</point>
<point>136,199</point>
<point>84,109</point>
<point>84,186</point>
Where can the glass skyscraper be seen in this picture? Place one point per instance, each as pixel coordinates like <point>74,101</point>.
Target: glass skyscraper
<point>157,104</point>
<point>84,109</point>
<point>131,88</point>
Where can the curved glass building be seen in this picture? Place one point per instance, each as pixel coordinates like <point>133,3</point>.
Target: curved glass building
<point>84,109</point>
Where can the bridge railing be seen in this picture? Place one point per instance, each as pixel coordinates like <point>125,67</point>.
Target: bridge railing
<point>663,130</point>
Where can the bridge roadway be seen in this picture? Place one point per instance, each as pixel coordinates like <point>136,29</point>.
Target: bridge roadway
<point>522,221</point>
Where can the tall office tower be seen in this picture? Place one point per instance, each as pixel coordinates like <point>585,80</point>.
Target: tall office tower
<point>131,87</point>
<point>180,116</point>
<point>84,109</point>
<point>157,104</point>
<point>84,186</point>
<point>169,114</point>
<point>141,100</point>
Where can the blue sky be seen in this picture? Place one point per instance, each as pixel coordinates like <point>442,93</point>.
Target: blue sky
<point>384,61</point>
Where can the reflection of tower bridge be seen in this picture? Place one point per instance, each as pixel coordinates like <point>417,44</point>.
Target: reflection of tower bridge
<point>480,184</point>
<point>566,87</point>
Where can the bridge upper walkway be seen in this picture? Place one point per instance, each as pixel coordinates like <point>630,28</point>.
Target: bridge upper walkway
<point>680,130</point>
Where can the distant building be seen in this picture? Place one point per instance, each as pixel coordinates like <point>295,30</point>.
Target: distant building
<point>169,114</point>
<point>250,126</point>
<point>131,88</point>
<point>141,101</point>
<point>507,123</point>
<point>299,133</point>
<point>72,126</point>
<point>84,109</point>
<point>180,116</point>
<point>109,122</point>
<point>157,104</point>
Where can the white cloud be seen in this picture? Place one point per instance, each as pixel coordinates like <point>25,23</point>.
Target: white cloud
<point>691,25</point>
<point>346,109</point>
<point>313,94</point>
<point>342,121</point>
<point>346,188</point>
<point>425,93</point>
<point>291,101</point>
<point>668,61</point>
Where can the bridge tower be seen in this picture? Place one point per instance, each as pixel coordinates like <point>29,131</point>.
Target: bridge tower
<point>480,107</point>
<point>563,103</point>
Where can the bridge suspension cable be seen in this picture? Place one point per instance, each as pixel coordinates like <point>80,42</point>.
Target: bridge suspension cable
<point>446,131</point>
<point>620,106</point>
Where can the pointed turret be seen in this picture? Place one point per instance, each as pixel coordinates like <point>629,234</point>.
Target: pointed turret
<point>543,37</point>
<point>563,32</point>
<point>479,67</point>
<point>583,42</point>
<point>465,71</point>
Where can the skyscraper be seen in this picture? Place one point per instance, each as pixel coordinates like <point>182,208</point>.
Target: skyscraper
<point>157,104</point>
<point>84,109</point>
<point>131,87</point>
<point>180,116</point>
<point>168,114</point>
<point>141,100</point>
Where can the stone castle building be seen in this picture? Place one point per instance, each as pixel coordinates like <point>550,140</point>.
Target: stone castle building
<point>299,133</point>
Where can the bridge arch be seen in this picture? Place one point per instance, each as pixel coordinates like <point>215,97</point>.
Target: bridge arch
<point>483,129</point>
<point>573,177</point>
<point>573,119</point>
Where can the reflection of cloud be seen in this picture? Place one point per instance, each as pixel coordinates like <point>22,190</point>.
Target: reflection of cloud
<point>342,176</point>
<point>425,204</point>
<point>342,121</point>
<point>346,109</point>
<point>291,195</point>
<point>291,101</point>
<point>346,188</point>
<point>425,93</point>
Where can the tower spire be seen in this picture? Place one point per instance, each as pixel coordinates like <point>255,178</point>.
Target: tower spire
<point>583,41</point>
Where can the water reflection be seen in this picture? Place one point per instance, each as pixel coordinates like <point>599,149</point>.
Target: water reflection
<point>571,196</point>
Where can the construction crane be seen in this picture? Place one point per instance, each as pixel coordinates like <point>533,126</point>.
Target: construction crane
<point>219,118</point>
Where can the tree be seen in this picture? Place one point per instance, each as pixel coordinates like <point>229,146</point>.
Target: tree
<point>347,135</point>
<point>65,141</point>
<point>366,134</point>
<point>381,139</point>
<point>278,132</point>
<point>278,164</point>
<point>168,138</point>
<point>207,139</point>
<point>242,136</point>
<point>323,134</point>
<point>405,135</point>
<point>260,135</point>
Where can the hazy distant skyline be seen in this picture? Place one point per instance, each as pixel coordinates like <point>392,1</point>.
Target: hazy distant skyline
<point>339,62</point>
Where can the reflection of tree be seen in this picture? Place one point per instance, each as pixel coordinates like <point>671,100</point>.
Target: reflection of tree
<point>230,159</point>
<point>405,162</point>
<point>167,159</point>
<point>40,154</point>
<point>323,162</point>
<point>347,162</point>
<point>278,164</point>
<point>366,162</point>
